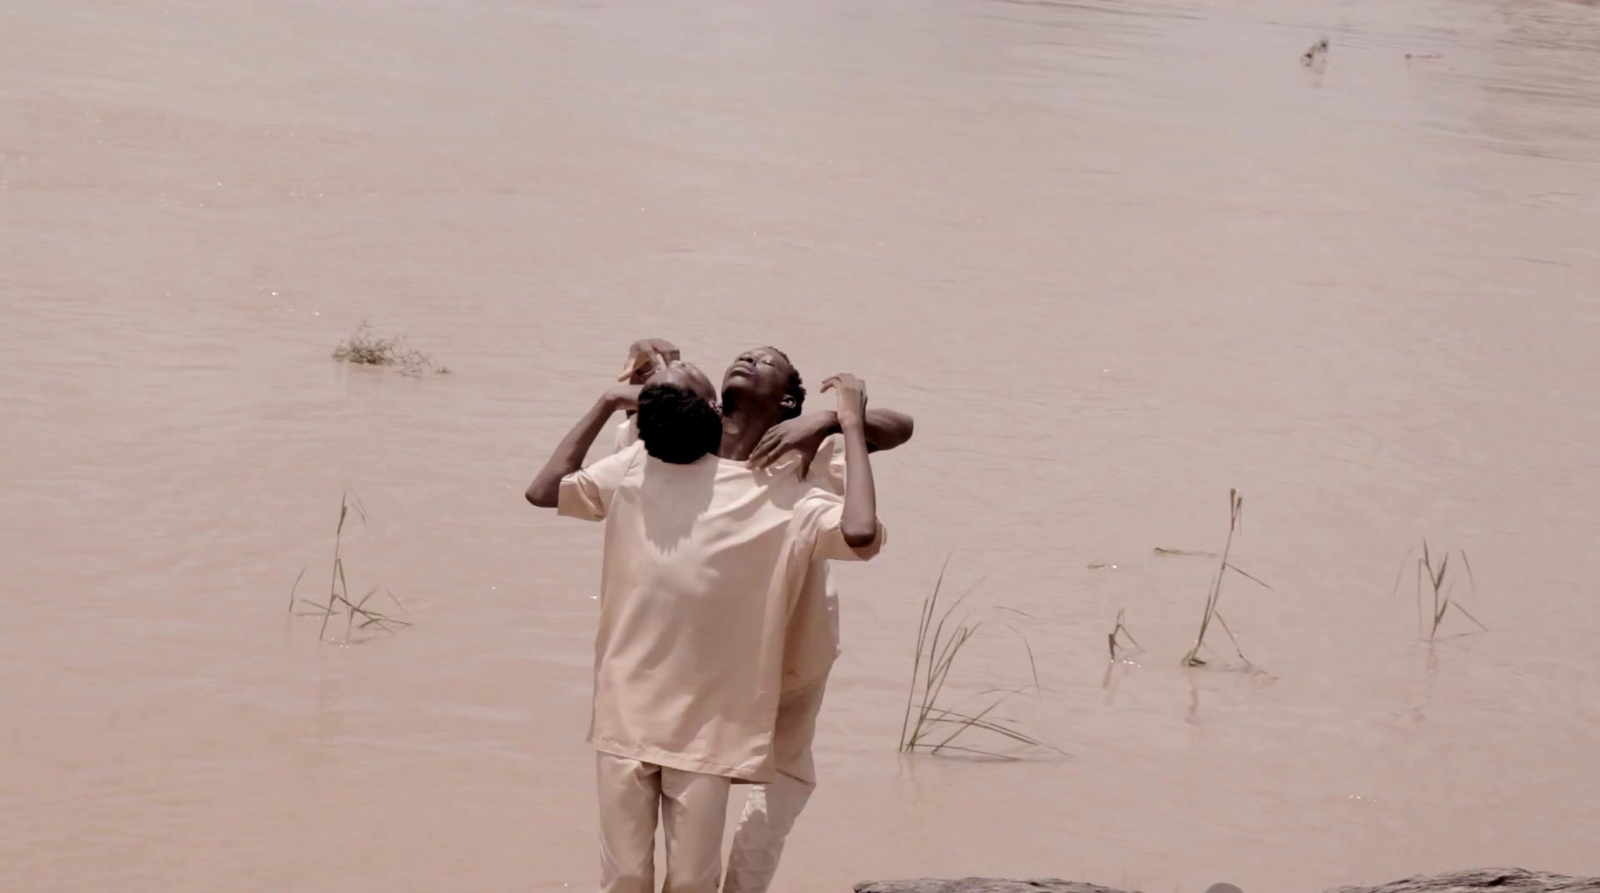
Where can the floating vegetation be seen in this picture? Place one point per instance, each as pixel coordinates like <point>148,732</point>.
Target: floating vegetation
<point>366,348</point>
<point>1165,552</point>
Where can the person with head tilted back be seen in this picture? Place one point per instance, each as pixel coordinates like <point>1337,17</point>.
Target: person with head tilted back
<point>703,560</point>
<point>763,396</point>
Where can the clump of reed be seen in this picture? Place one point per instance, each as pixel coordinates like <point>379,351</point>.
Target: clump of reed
<point>1433,578</point>
<point>366,348</point>
<point>1214,594</point>
<point>931,726</point>
<point>339,600</point>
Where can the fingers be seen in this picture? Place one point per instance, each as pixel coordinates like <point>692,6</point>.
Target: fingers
<point>642,363</point>
<point>843,380</point>
<point>763,454</point>
<point>628,368</point>
<point>638,359</point>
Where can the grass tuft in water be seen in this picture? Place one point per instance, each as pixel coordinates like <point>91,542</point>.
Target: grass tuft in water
<point>339,588</point>
<point>366,348</point>
<point>1118,633</point>
<point>931,727</point>
<point>1214,594</point>
<point>1437,583</point>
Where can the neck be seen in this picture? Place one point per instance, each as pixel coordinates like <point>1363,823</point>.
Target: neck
<point>742,428</point>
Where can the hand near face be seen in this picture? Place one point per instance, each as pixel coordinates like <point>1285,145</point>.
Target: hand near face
<point>852,395</point>
<point>645,357</point>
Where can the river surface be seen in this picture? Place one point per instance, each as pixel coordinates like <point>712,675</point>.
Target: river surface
<point>1117,258</point>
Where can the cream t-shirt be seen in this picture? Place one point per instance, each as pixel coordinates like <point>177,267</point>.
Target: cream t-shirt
<point>702,566</point>
<point>812,640</point>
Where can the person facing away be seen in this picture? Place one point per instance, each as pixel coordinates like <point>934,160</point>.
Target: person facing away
<point>763,395</point>
<point>703,559</point>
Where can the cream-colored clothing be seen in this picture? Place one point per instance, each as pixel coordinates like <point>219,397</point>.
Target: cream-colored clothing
<point>770,809</point>
<point>703,566</point>
<point>691,809</point>
<point>811,643</point>
<point>810,649</point>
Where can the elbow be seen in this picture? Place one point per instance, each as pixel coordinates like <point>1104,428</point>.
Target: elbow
<point>541,496</point>
<point>861,539</point>
<point>900,429</point>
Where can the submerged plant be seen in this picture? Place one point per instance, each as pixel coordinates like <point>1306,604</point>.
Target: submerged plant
<point>1435,580</point>
<point>365,348</point>
<point>1214,594</point>
<point>931,726</point>
<point>339,588</point>
<point>1117,634</point>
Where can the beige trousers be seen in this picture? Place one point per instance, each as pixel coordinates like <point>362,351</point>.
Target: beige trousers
<point>770,810</point>
<point>769,814</point>
<point>691,808</point>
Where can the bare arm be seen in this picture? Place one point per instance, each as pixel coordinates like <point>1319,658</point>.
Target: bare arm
<point>545,491</point>
<point>859,524</point>
<point>885,429</point>
<point>646,357</point>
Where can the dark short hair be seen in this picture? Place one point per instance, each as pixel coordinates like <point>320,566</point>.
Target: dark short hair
<point>794,387</point>
<point>676,424</point>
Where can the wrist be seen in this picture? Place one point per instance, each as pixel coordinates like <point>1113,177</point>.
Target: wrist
<point>850,422</point>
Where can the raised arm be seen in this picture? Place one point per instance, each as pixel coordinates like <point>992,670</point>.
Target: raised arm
<point>545,491</point>
<point>860,522</point>
<point>887,429</point>
<point>884,429</point>
<point>646,357</point>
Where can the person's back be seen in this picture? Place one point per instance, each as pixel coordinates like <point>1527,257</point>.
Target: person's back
<point>703,563</point>
<point>703,559</point>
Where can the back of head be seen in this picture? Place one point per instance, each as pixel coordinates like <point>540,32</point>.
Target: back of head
<point>676,424</point>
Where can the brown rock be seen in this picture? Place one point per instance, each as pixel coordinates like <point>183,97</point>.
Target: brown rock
<point>980,885</point>
<point>1499,880</point>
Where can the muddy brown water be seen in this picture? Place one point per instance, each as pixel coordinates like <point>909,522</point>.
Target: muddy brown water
<point>1116,258</point>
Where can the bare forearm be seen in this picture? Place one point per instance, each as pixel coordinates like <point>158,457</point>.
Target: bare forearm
<point>545,491</point>
<point>860,522</point>
<point>885,428</point>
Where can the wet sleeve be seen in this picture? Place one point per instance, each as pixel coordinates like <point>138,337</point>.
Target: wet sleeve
<point>818,516</point>
<point>587,493</point>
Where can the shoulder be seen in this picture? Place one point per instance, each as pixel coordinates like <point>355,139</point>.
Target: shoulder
<point>813,502</point>
<point>619,466</point>
<point>828,468</point>
<point>627,433</point>
<point>632,455</point>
